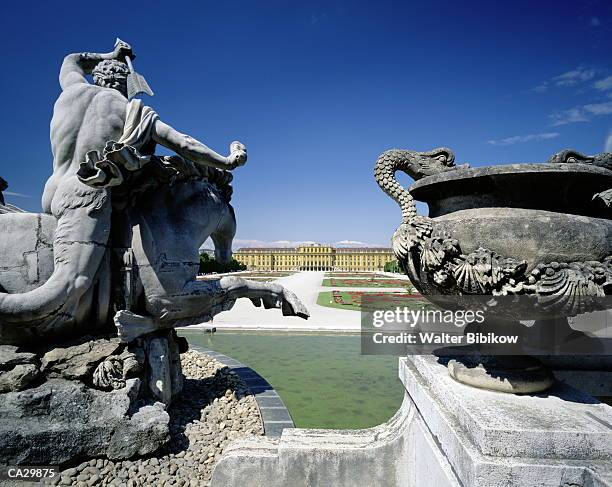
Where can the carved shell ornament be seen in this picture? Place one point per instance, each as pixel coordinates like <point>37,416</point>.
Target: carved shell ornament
<point>419,245</point>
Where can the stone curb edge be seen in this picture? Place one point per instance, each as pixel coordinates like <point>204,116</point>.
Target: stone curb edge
<point>272,409</point>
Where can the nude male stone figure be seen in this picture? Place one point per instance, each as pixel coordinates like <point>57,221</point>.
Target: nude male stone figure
<point>85,117</point>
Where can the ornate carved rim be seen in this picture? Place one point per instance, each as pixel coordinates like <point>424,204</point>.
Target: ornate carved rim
<point>510,169</point>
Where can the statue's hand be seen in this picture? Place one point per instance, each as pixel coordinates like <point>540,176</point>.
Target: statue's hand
<point>122,49</point>
<point>238,155</point>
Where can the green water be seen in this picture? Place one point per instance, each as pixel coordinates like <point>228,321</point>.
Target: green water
<point>323,379</point>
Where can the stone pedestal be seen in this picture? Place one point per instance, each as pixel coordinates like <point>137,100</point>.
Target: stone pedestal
<point>445,434</point>
<point>559,438</point>
<point>96,397</point>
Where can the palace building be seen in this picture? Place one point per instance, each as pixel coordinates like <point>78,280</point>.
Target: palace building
<point>315,257</point>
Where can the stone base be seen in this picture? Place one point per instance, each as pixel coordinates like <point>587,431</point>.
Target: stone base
<point>445,434</point>
<point>63,420</point>
<point>514,374</point>
<point>93,398</point>
<point>559,438</point>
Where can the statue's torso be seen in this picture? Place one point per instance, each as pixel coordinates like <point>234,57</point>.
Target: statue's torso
<point>85,117</point>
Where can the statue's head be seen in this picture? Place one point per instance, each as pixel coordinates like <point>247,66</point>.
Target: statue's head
<point>111,74</point>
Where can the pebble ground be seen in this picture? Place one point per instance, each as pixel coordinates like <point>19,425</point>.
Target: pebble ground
<point>214,408</point>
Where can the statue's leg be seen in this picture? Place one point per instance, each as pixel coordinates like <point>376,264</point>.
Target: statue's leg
<point>201,300</point>
<point>80,242</point>
<point>224,235</point>
<point>272,295</point>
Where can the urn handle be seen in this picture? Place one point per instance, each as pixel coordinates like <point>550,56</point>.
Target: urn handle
<point>417,165</point>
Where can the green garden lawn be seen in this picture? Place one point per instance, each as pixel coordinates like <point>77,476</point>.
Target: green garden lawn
<point>353,300</point>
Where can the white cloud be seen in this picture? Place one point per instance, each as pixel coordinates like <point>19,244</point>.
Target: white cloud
<point>242,242</point>
<point>608,146</point>
<point>599,108</point>
<point>604,84</point>
<point>255,243</point>
<point>19,195</point>
<point>357,243</point>
<point>572,115</point>
<point>318,18</point>
<point>569,78</point>
<point>350,242</point>
<point>575,76</point>
<point>543,88</point>
<point>516,139</point>
<point>583,113</point>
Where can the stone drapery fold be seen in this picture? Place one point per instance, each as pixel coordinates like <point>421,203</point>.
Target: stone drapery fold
<point>107,169</point>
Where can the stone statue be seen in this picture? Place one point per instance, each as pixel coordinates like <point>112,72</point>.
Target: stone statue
<point>3,186</point>
<point>98,281</point>
<point>540,232</point>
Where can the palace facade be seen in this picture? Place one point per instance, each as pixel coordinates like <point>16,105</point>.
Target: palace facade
<point>315,258</point>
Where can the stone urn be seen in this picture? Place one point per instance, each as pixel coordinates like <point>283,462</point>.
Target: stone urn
<point>536,237</point>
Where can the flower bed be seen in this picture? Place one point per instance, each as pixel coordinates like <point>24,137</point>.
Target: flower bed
<point>363,282</point>
<point>354,300</point>
<point>361,275</point>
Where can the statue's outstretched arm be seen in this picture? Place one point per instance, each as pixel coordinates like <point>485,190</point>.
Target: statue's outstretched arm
<point>77,65</point>
<point>194,150</point>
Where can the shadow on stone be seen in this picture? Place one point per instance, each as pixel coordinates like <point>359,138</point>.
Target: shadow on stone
<point>508,373</point>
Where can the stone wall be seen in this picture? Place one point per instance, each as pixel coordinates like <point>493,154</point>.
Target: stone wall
<point>445,434</point>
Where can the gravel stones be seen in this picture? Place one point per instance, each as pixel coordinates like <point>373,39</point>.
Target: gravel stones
<point>214,408</point>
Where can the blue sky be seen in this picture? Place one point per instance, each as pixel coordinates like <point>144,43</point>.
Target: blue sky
<point>316,90</point>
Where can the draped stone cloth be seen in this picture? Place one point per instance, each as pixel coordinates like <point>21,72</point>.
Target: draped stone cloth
<point>139,122</point>
<point>118,157</point>
<point>130,166</point>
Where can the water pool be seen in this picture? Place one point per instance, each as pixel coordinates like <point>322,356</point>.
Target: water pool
<point>323,378</point>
